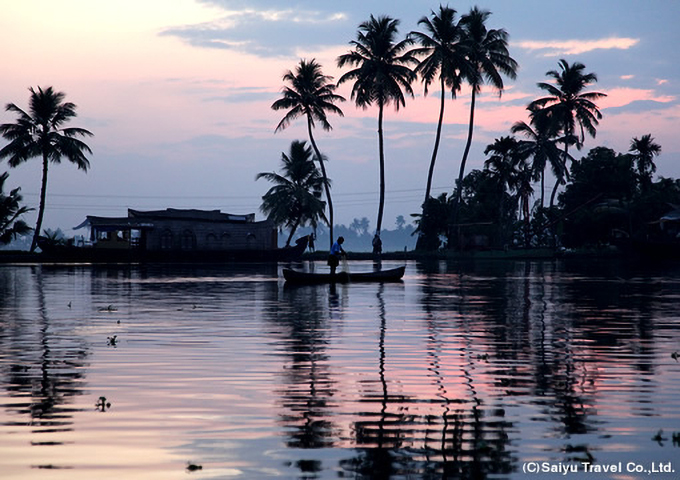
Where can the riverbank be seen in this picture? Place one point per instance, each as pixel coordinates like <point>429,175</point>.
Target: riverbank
<point>15,256</point>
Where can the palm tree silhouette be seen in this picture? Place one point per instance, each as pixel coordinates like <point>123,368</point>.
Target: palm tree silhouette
<point>444,56</point>
<point>381,77</point>
<point>571,107</point>
<point>489,59</point>
<point>310,94</point>
<point>10,210</point>
<point>541,145</point>
<point>295,198</point>
<point>644,149</point>
<point>505,163</point>
<point>40,133</point>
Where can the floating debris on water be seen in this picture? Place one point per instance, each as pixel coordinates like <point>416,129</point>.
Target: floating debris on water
<point>102,404</point>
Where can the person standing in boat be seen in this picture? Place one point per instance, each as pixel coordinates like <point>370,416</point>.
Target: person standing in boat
<point>335,254</point>
<point>377,245</point>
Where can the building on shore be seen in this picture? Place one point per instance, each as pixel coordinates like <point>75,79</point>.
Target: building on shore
<point>179,230</point>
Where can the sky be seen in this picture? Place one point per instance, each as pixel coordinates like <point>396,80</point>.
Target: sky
<point>178,95</point>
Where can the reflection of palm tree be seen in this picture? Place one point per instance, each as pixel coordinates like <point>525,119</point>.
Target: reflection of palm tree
<point>381,77</point>
<point>41,133</point>
<point>311,94</point>
<point>378,461</point>
<point>294,199</point>
<point>309,385</point>
<point>45,373</point>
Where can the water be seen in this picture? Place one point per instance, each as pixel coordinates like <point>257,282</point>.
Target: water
<point>461,371</point>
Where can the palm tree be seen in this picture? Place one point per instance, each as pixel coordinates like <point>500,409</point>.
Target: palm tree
<point>488,57</point>
<point>10,210</point>
<point>295,198</point>
<point>381,77</point>
<point>644,150</point>
<point>444,58</point>
<point>40,133</point>
<point>310,94</point>
<point>507,163</point>
<point>571,107</point>
<point>541,145</point>
<point>503,163</point>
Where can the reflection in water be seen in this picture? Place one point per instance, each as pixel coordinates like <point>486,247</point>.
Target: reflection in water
<point>308,386</point>
<point>463,371</point>
<point>43,363</point>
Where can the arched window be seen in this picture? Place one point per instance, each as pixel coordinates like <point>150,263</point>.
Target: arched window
<point>226,240</point>
<point>166,240</point>
<point>211,241</point>
<point>188,240</point>
<point>250,240</point>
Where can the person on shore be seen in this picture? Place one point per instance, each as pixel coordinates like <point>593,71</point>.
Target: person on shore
<point>335,254</point>
<point>377,245</point>
<point>310,243</point>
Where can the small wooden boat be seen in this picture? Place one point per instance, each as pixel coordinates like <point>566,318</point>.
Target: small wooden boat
<point>296,276</point>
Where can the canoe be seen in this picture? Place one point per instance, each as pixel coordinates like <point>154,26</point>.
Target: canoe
<point>391,275</point>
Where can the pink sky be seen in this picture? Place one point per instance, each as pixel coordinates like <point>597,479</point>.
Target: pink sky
<point>184,125</point>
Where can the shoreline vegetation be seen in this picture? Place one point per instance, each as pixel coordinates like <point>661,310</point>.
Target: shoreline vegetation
<point>603,204</point>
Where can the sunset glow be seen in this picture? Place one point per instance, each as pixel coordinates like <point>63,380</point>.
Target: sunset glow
<point>184,90</point>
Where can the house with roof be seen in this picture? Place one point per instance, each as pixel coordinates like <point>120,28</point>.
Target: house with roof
<point>180,230</point>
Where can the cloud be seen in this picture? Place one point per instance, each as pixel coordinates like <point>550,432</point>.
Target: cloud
<point>622,97</point>
<point>265,33</point>
<point>244,95</point>
<point>554,48</point>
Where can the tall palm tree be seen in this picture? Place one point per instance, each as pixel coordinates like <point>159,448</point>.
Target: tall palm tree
<point>295,198</point>
<point>40,132</point>
<point>489,59</point>
<point>571,107</point>
<point>311,94</point>
<point>644,149</point>
<point>381,77</point>
<point>444,59</point>
<point>541,145</point>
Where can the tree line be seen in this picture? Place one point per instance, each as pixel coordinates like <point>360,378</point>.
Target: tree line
<point>450,51</point>
<point>383,68</point>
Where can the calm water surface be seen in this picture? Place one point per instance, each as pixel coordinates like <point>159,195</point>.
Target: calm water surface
<point>461,371</point>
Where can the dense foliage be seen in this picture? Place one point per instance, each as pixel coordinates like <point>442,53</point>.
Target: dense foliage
<point>11,210</point>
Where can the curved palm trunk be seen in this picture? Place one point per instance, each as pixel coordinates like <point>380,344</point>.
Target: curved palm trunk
<point>467,145</point>
<point>430,173</point>
<point>466,152</point>
<point>41,208</point>
<point>325,181</point>
<point>543,188</point>
<point>381,205</point>
<point>559,180</point>
<point>292,232</point>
